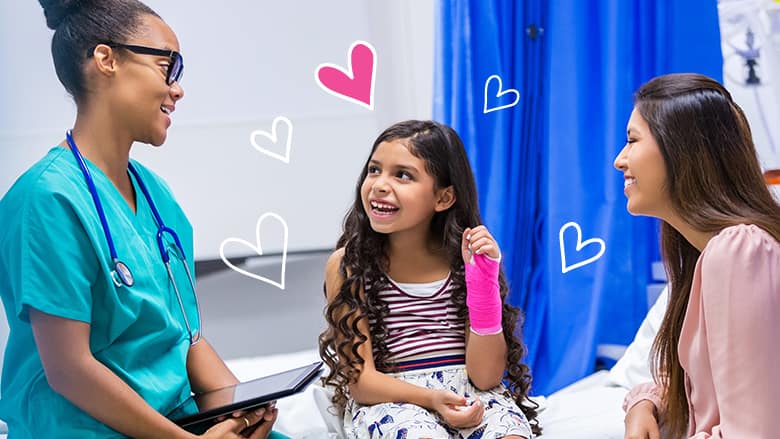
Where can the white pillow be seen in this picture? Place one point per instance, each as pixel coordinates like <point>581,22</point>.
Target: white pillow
<point>634,366</point>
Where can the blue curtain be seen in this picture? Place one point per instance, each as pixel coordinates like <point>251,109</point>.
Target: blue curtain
<point>547,161</point>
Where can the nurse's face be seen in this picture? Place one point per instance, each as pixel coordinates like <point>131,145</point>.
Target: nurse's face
<point>644,170</point>
<point>144,98</point>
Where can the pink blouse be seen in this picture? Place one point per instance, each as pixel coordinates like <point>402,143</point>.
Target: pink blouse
<point>730,341</point>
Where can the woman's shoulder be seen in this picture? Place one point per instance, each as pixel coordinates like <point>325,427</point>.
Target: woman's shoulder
<point>740,243</point>
<point>50,193</point>
<point>50,175</point>
<point>744,235</point>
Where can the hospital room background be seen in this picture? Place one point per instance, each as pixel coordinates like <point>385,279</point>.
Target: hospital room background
<point>283,100</point>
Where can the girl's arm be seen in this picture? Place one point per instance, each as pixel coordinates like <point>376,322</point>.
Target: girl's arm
<point>486,350</point>
<point>374,387</point>
<point>485,359</point>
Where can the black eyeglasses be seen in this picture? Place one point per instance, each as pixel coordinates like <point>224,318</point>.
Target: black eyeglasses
<point>175,68</point>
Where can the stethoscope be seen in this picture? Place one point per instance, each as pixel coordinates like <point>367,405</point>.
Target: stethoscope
<point>121,274</point>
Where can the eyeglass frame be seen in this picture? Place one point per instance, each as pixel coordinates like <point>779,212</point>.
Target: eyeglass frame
<point>176,60</point>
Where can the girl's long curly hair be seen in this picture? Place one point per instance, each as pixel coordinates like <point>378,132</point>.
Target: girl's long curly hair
<point>365,263</point>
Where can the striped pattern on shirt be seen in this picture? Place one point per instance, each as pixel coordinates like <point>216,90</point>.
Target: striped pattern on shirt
<point>421,327</point>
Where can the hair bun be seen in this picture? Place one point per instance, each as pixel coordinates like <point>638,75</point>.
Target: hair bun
<point>56,10</point>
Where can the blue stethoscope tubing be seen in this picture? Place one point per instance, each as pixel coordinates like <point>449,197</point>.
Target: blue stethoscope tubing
<point>121,274</point>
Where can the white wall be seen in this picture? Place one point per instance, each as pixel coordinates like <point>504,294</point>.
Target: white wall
<point>246,62</point>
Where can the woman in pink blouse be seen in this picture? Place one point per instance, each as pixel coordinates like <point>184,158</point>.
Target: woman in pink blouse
<point>690,161</point>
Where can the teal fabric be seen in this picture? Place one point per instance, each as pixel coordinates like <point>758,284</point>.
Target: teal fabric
<point>54,258</point>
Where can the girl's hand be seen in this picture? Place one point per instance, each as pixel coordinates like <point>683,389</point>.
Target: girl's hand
<point>641,422</point>
<point>453,409</point>
<point>478,241</point>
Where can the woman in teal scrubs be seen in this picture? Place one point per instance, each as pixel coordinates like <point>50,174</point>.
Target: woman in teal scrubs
<point>86,357</point>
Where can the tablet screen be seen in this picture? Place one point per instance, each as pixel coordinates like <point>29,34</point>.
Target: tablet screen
<point>251,394</point>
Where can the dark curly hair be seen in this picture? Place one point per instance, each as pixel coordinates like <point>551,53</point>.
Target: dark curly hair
<point>365,262</point>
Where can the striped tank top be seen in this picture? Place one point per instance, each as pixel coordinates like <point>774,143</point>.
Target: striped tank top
<point>422,325</point>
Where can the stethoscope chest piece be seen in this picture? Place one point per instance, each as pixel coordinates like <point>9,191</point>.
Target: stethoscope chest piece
<point>122,275</point>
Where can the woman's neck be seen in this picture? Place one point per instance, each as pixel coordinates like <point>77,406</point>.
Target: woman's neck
<point>103,143</point>
<point>97,137</point>
<point>697,238</point>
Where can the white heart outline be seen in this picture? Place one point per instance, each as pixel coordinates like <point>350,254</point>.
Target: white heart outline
<point>580,246</point>
<point>273,138</point>
<point>500,93</point>
<point>351,75</point>
<point>259,249</point>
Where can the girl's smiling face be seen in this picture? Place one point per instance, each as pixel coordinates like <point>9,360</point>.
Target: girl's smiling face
<point>398,193</point>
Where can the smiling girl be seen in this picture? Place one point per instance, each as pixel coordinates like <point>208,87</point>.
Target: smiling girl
<point>419,336</point>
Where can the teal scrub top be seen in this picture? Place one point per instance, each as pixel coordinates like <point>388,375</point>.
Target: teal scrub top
<point>54,257</point>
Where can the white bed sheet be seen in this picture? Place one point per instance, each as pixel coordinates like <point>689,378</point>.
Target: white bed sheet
<point>590,408</point>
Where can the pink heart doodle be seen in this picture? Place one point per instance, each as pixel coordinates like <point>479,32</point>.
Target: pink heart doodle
<point>356,84</point>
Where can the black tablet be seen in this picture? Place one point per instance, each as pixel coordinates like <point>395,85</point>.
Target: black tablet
<point>248,395</point>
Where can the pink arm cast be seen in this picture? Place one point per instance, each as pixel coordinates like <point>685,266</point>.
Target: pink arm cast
<point>483,297</point>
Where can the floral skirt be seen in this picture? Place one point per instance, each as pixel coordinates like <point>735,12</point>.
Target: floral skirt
<point>402,420</point>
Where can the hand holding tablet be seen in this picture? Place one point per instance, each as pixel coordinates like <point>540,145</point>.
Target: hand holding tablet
<point>247,396</point>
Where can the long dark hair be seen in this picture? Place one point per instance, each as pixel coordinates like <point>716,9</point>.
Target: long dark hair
<point>365,262</point>
<point>82,24</point>
<point>714,181</point>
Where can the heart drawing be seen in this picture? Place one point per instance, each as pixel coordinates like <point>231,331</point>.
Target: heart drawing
<point>273,136</point>
<point>257,248</point>
<point>356,83</point>
<point>580,245</point>
<point>498,94</point>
